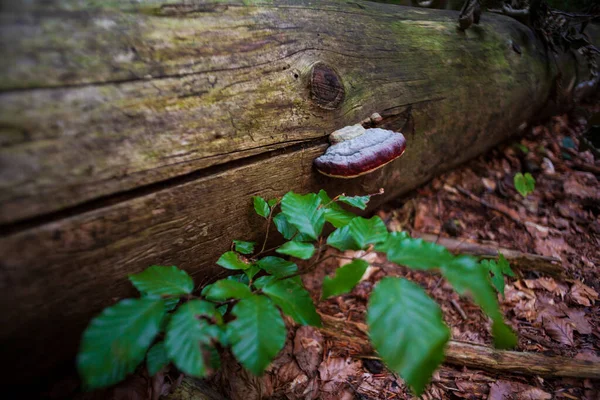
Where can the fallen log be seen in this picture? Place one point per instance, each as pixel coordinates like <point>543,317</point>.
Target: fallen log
<point>524,261</point>
<point>135,133</point>
<point>483,357</point>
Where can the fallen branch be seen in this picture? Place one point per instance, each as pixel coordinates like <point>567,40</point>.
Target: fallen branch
<point>478,356</point>
<point>496,207</point>
<point>523,261</point>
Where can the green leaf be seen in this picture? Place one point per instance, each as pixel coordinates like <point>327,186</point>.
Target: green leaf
<point>244,247</point>
<point>163,281</point>
<point>272,202</point>
<point>291,297</point>
<point>284,227</point>
<point>156,358</point>
<point>525,184</point>
<point>407,330</point>
<point>466,275</point>
<point>231,260</point>
<point>115,342</point>
<point>187,336</point>
<point>170,303</point>
<point>342,240</point>
<point>257,334</point>
<point>252,271</point>
<point>497,276</point>
<point>498,270</point>
<point>504,265</point>
<point>277,266</point>
<point>337,216</point>
<point>522,147</point>
<point>417,253</point>
<point>226,289</point>
<point>346,277</point>
<point>334,214</point>
<point>300,250</point>
<point>393,239</point>
<point>242,278</point>
<point>356,201</point>
<point>261,207</point>
<point>368,231</point>
<point>304,213</point>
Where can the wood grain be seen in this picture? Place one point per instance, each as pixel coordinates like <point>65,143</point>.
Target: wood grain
<point>96,101</point>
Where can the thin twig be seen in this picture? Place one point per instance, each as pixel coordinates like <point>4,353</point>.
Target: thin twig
<point>459,309</point>
<point>490,205</point>
<point>269,225</point>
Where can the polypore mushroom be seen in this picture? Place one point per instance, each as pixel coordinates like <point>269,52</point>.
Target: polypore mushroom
<point>357,151</point>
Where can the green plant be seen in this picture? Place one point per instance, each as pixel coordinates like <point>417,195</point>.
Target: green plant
<point>172,323</point>
<point>525,184</point>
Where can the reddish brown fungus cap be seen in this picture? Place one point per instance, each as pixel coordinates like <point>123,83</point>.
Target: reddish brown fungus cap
<point>362,154</point>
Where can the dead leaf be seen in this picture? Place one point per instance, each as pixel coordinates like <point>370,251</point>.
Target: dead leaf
<point>559,329</point>
<point>308,349</point>
<point>509,390</point>
<point>583,185</point>
<point>583,294</point>
<point>577,318</point>
<point>548,284</point>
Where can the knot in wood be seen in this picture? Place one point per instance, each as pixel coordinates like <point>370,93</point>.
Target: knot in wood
<point>326,87</point>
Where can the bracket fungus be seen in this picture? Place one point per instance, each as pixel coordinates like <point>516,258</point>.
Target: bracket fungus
<point>357,151</point>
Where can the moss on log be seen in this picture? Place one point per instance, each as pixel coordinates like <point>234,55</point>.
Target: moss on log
<point>135,134</point>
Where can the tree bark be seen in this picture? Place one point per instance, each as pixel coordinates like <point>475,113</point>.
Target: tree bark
<point>134,135</point>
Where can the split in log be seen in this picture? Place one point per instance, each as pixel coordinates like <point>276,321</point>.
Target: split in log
<point>523,261</point>
<point>134,134</point>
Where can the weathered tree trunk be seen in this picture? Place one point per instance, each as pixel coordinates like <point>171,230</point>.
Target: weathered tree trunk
<point>134,135</point>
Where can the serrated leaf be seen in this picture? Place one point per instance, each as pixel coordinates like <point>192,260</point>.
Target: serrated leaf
<point>187,336</point>
<point>497,276</point>
<point>393,239</point>
<point>303,212</point>
<point>291,297</point>
<point>368,231</point>
<point>156,358</point>
<point>504,265</point>
<point>257,334</point>
<point>231,260</point>
<point>261,206</point>
<point>334,214</point>
<point>244,247</point>
<point>417,253</point>
<point>355,201</point>
<point>465,275</point>
<point>115,342</point>
<point>346,277</point>
<point>226,289</point>
<point>277,266</point>
<point>296,249</point>
<point>407,330</point>
<point>342,240</point>
<point>163,281</point>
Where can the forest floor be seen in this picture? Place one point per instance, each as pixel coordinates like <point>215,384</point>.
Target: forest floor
<point>551,237</point>
<point>556,313</point>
